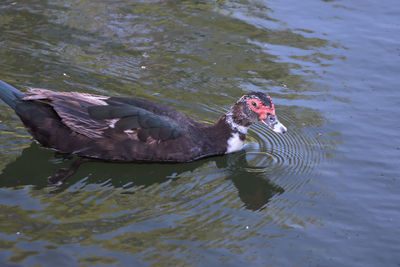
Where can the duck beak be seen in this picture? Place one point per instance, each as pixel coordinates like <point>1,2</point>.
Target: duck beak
<point>273,123</point>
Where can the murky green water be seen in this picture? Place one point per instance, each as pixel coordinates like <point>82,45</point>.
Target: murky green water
<point>325,194</point>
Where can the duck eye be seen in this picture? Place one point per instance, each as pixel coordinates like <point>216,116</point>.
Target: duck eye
<point>254,104</point>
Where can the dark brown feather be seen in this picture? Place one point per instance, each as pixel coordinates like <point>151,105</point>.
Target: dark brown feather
<point>115,129</point>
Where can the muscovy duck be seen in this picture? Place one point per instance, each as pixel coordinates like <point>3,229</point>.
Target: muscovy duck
<point>133,129</point>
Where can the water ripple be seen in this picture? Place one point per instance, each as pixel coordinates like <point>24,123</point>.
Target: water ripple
<point>294,154</point>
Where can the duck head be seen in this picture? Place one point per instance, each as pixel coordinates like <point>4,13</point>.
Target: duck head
<point>256,107</point>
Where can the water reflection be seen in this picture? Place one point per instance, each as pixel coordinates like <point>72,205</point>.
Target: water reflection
<point>35,164</point>
<point>188,54</point>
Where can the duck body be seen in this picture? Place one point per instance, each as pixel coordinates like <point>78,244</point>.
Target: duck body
<point>126,129</point>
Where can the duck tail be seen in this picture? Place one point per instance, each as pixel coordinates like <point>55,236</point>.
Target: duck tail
<point>9,94</point>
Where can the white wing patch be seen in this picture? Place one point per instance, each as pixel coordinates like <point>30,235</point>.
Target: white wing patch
<point>112,122</point>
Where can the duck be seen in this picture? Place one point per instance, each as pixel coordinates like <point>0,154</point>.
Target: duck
<point>113,128</point>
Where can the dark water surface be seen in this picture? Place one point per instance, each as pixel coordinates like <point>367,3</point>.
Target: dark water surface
<point>325,194</point>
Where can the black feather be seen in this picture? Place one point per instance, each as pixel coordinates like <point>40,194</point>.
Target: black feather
<point>93,126</point>
<point>107,112</point>
<point>143,134</point>
<point>127,123</point>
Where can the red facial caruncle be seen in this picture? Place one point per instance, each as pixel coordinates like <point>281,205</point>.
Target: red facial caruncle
<point>257,106</point>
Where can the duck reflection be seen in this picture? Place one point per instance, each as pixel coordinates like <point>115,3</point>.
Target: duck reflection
<point>35,164</point>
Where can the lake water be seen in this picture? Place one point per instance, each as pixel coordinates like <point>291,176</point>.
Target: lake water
<point>326,194</point>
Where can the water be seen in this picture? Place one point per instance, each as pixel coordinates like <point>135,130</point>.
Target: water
<point>326,193</point>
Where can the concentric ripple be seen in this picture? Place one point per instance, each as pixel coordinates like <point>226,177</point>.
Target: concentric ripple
<point>296,153</point>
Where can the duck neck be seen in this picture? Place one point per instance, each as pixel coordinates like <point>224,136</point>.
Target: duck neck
<point>233,124</point>
<point>229,133</point>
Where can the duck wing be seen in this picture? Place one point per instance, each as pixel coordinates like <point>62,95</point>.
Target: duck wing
<point>98,116</point>
<point>129,119</point>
